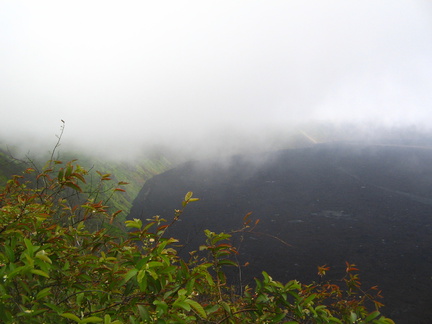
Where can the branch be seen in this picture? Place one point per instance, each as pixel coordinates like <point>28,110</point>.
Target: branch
<point>59,137</point>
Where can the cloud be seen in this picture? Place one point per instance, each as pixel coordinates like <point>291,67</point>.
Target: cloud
<point>127,75</point>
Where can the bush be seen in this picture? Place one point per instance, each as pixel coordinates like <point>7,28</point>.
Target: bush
<point>60,264</point>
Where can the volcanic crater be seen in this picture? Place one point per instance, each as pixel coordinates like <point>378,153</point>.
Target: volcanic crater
<point>370,205</point>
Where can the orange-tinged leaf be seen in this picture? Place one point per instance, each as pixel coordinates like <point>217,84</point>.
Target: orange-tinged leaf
<point>247,216</point>
<point>160,228</point>
<point>378,304</point>
<point>224,245</point>
<point>79,176</point>
<point>322,270</point>
<point>117,212</point>
<point>73,185</point>
<point>351,267</point>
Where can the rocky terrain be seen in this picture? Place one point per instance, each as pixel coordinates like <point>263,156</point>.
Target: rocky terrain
<point>367,204</point>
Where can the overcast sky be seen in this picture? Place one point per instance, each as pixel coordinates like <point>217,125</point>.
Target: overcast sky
<point>131,72</point>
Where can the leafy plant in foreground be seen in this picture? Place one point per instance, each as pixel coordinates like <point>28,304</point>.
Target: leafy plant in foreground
<point>59,265</point>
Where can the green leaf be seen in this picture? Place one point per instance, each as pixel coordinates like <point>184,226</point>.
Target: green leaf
<point>371,316</point>
<point>68,171</point>
<point>212,309</point>
<point>188,196</point>
<point>209,278</point>
<point>18,270</point>
<point>43,256</point>
<point>140,275</point>
<point>9,253</point>
<point>43,293</point>
<point>60,175</point>
<point>29,245</point>
<point>129,275</point>
<point>182,304</point>
<point>39,273</point>
<point>79,298</point>
<point>92,319</point>
<point>161,307</point>
<point>293,285</point>
<point>225,307</point>
<point>143,313</point>
<point>153,264</point>
<point>53,307</point>
<point>262,298</point>
<point>197,307</point>
<point>278,318</point>
<point>267,278</point>
<point>309,299</point>
<point>227,262</point>
<point>71,317</point>
<point>136,223</point>
<point>66,266</point>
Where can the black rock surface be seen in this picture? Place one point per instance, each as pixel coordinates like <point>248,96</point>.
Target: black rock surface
<point>368,205</point>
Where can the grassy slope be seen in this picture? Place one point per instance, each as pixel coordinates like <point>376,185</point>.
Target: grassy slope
<point>135,173</point>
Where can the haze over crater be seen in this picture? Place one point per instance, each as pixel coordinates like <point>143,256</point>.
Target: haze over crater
<point>209,76</point>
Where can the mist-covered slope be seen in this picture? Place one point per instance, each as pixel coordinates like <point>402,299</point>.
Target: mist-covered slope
<point>134,171</point>
<point>369,205</point>
<point>8,167</point>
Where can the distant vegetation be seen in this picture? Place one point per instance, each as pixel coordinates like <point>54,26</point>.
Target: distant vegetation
<point>134,173</point>
<point>59,264</point>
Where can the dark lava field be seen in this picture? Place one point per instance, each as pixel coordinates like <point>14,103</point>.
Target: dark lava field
<point>370,205</point>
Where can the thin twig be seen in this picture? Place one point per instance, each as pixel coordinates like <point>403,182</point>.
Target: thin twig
<point>59,137</point>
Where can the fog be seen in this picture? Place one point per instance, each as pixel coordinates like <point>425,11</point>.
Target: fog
<point>208,77</point>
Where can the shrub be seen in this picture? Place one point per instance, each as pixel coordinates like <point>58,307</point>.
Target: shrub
<point>60,264</point>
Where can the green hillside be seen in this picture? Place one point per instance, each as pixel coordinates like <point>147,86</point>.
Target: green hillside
<point>134,173</point>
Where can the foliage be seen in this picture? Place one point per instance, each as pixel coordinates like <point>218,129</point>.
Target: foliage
<point>135,173</point>
<point>58,265</point>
